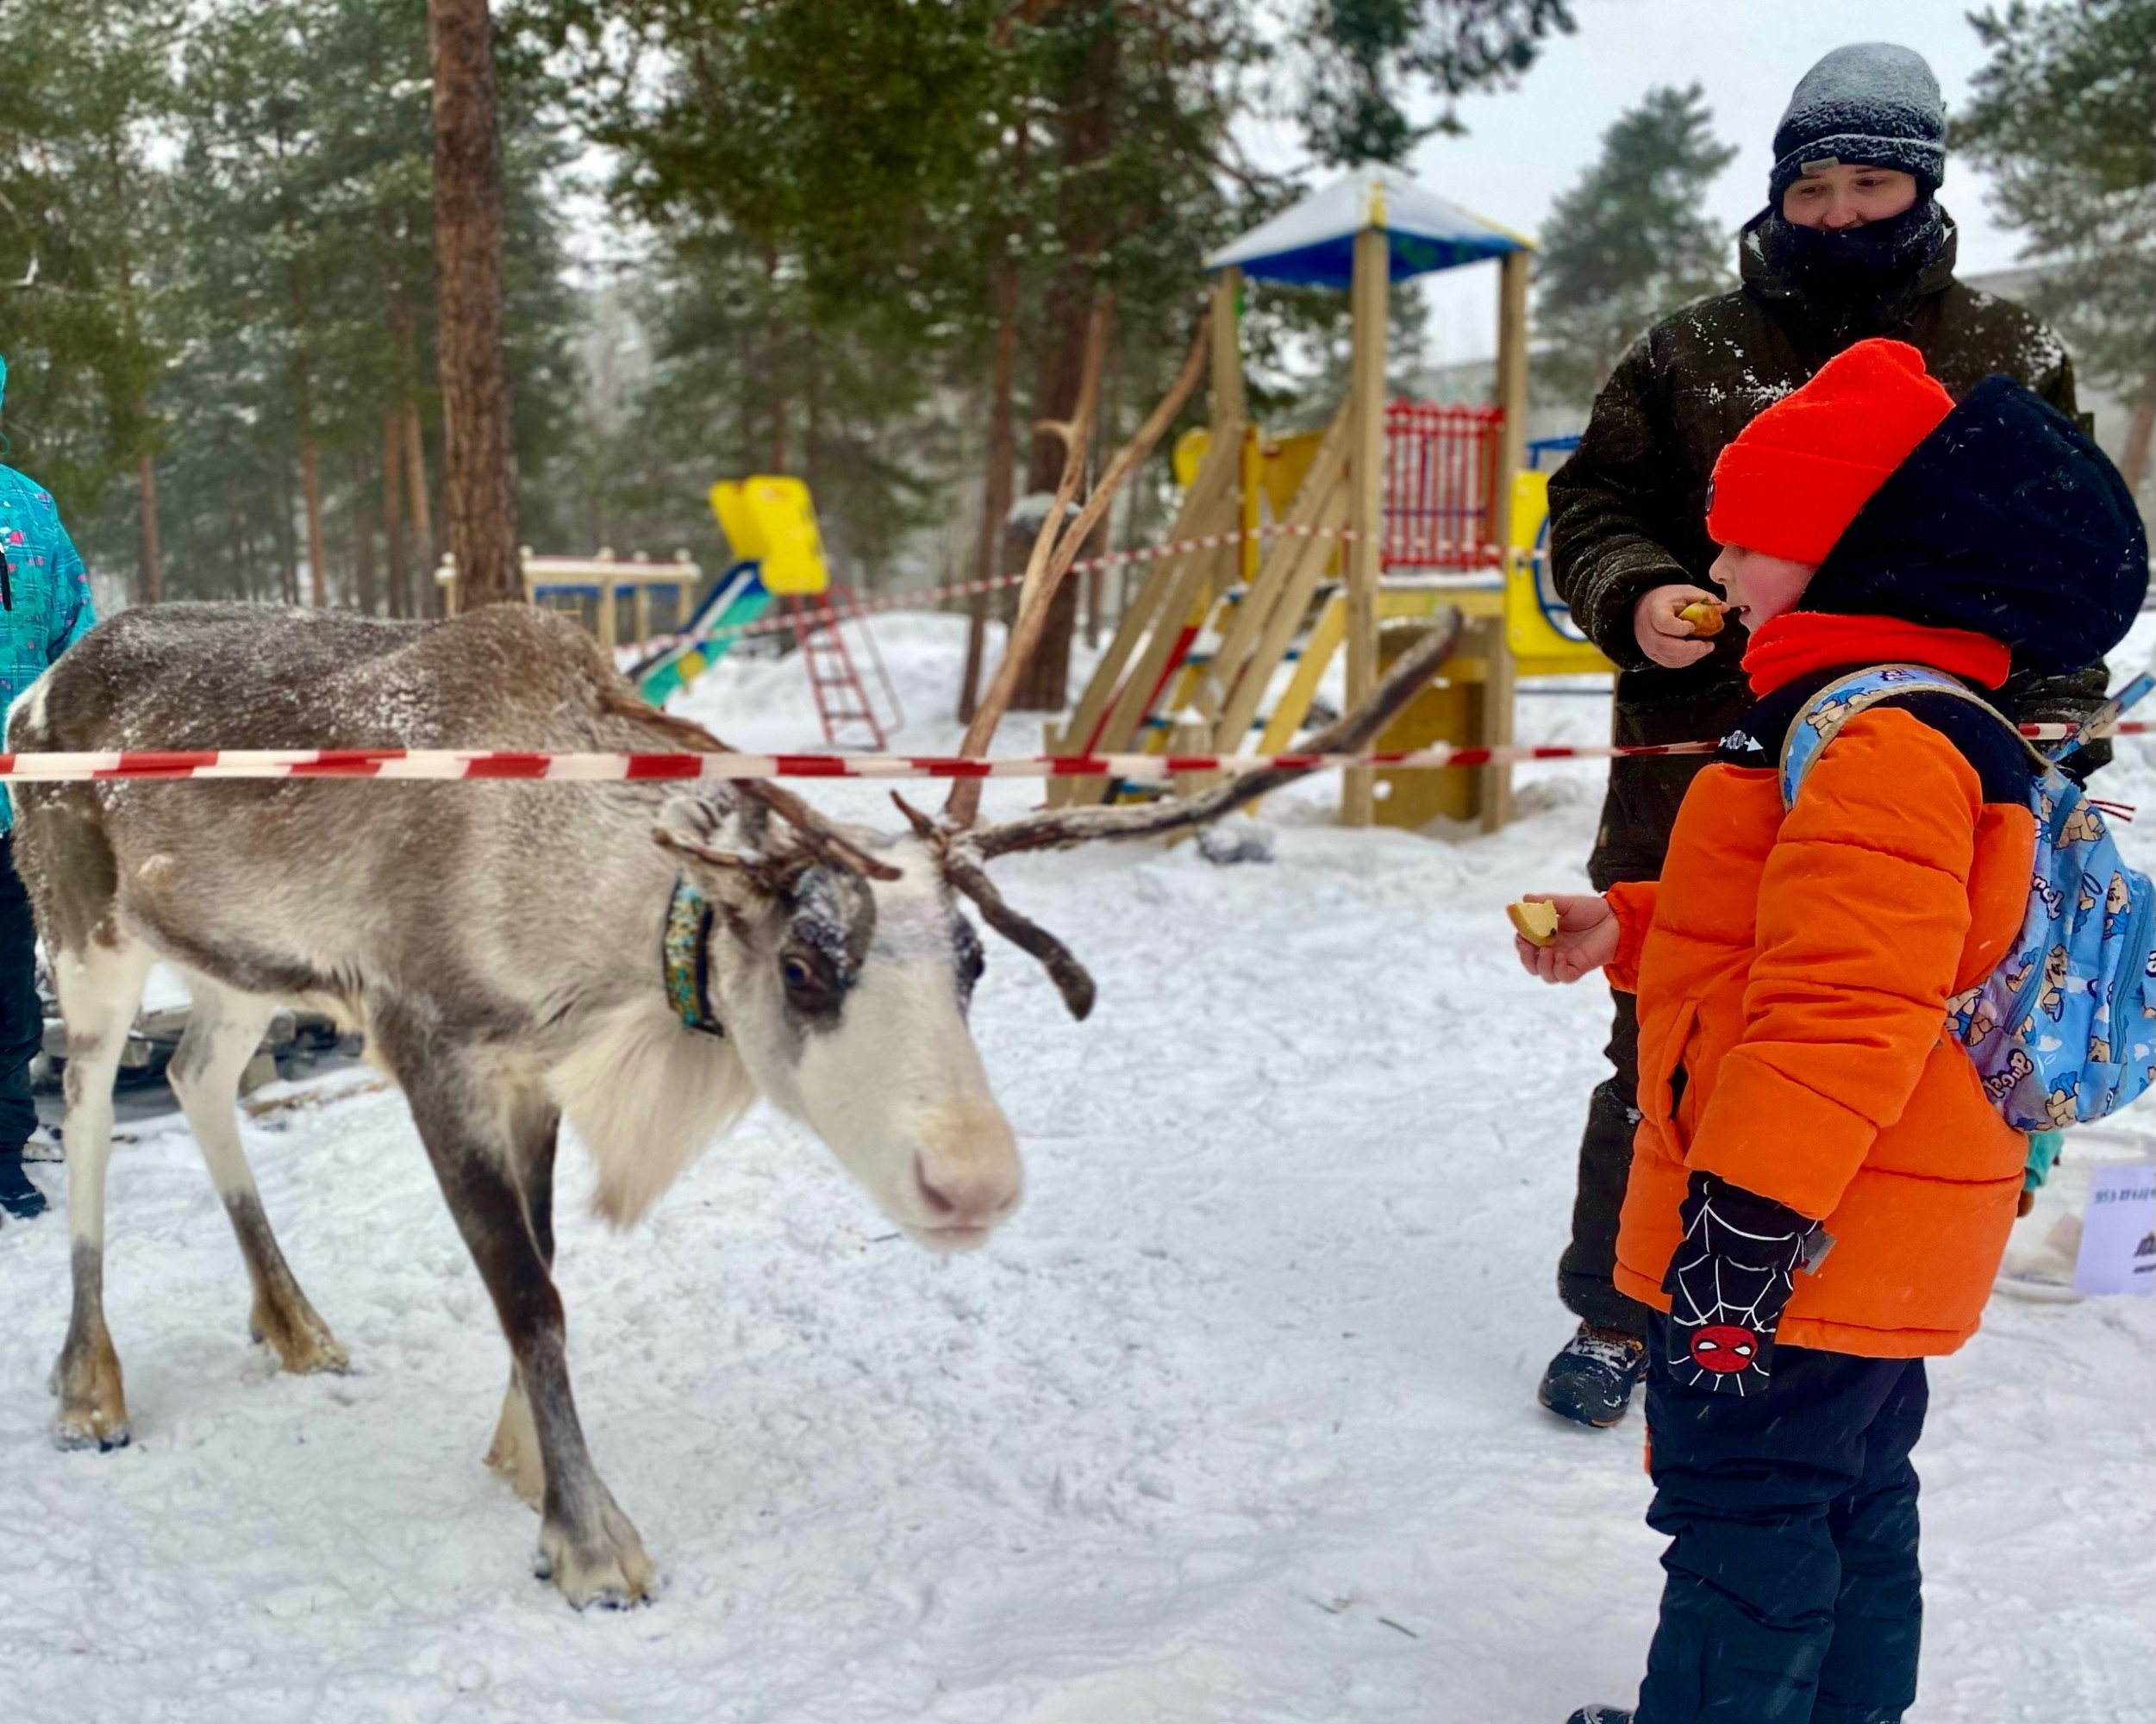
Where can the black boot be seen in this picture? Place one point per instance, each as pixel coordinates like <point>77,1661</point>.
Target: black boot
<point>1591,1380</point>
<point>1600,1714</point>
<point>17,1195</point>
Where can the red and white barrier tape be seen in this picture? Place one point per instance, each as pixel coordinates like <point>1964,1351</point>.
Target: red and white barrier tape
<point>444,764</point>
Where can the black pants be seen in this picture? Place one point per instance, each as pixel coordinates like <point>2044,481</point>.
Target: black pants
<point>1792,1594</point>
<point>21,1018</point>
<point>1605,1163</point>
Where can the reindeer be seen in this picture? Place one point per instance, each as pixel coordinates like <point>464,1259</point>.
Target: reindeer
<point>643,963</point>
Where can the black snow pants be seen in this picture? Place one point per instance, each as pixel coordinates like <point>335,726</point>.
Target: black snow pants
<point>1584,1273</point>
<point>21,1018</point>
<point>1792,1594</point>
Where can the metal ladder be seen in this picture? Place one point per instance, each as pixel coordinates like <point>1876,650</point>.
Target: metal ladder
<point>843,698</point>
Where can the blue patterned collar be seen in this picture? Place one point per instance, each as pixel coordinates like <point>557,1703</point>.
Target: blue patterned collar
<point>684,955</point>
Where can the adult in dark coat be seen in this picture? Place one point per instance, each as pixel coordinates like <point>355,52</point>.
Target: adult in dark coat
<point>1854,243</point>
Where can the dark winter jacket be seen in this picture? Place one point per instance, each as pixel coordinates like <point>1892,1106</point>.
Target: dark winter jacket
<point>1628,510</point>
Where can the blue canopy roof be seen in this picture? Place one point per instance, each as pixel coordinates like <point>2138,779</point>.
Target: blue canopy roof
<point>1314,240</point>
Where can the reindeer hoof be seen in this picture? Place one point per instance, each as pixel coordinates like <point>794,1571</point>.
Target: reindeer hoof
<point>93,1405</point>
<point>90,1430</point>
<point>610,1569</point>
<point>303,1346</point>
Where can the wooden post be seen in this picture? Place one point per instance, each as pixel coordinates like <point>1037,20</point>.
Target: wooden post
<point>1512,397</point>
<point>1227,351</point>
<point>1366,481</point>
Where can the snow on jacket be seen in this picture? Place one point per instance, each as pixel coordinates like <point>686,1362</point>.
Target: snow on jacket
<point>45,605</point>
<point>1793,966</point>
<point>1627,511</point>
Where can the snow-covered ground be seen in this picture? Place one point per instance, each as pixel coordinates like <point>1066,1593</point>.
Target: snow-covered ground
<point>1233,1422</point>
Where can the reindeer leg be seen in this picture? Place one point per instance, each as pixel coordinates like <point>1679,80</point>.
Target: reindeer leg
<point>514,1453</point>
<point>223,1030</point>
<point>482,1131</point>
<point>100,986</point>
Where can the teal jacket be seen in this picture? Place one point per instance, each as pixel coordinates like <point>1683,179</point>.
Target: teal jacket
<point>44,605</point>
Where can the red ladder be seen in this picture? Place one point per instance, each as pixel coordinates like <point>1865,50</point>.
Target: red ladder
<point>842,699</point>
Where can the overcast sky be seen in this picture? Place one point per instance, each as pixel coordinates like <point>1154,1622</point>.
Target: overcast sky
<point>1523,146</point>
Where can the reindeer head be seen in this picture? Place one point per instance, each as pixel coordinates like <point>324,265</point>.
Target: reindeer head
<point>842,966</point>
<point>842,971</point>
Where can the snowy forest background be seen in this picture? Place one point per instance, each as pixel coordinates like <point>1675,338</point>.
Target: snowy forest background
<point>788,236</point>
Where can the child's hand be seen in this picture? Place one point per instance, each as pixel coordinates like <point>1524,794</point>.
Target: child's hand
<point>1587,935</point>
<point>1665,637</point>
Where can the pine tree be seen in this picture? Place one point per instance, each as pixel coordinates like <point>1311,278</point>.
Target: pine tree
<point>82,82</point>
<point>1626,244</point>
<point>2064,115</point>
<point>1367,54</point>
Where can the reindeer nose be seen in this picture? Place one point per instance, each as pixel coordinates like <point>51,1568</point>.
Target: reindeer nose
<point>967,1191</point>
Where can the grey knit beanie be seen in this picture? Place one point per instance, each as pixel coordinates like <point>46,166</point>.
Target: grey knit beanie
<point>1871,103</point>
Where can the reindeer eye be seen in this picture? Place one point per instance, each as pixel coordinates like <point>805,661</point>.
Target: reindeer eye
<point>808,987</point>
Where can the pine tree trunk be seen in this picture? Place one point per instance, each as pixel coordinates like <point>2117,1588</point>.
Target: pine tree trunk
<point>775,335</point>
<point>1085,112</point>
<point>479,480</point>
<point>426,594</point>
<point>366,592</point>
<point>1002,452</point>
<point>287,558</point>
<point>310,498</point>
<point>151,569</point>
<point>149,574</point>
<point>392,511</point>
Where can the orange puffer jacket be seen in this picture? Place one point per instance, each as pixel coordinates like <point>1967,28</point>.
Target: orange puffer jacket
<point>1793,973</point>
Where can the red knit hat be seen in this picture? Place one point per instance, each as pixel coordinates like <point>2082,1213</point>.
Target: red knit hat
<point>1797,474</point>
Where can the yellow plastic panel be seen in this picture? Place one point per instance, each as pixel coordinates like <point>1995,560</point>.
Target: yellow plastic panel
<point>1189,455</point>
<point>1286,460</point>
<point>772,519</point>
<point>1539,648</point>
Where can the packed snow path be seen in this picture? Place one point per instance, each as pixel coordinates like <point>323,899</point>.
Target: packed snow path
<point>1234,1421</point>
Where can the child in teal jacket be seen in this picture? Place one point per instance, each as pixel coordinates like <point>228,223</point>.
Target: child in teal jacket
<point>44,609</point>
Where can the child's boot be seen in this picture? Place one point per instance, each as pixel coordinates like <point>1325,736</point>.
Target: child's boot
<point>17,1195</point>
<point>1591,1380</point>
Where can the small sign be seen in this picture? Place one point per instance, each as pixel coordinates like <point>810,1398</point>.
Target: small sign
<point>2118,1233</point>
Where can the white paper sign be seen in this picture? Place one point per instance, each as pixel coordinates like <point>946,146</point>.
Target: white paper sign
<point>2118,1233</point>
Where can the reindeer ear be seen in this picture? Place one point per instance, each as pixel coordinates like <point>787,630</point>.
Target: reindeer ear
<point>718,846</point>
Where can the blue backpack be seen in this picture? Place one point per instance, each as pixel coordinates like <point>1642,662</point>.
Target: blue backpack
<point>2063,1030</point>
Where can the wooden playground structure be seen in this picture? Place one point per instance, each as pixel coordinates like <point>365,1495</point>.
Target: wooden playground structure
<point>1354,538</point>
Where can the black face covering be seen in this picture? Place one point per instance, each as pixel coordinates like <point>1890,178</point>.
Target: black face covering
<point>1858,269</point>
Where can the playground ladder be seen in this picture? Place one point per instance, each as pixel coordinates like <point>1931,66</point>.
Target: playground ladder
<point>842,699</point>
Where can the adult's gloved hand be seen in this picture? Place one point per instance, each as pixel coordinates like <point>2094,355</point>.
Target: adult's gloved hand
<point>1728,1281</point>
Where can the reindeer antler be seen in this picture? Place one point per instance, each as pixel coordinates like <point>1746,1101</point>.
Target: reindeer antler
<point>824,840</point>
<point>1057,828</point>
<point>1055,549</point>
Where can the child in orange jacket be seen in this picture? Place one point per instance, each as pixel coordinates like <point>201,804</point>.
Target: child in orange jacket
<point>1820,1191</point>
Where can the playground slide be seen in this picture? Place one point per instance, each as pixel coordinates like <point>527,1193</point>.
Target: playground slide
<point>738,597</point>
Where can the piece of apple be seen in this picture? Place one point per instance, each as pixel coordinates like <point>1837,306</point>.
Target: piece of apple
<point>1537,921</point>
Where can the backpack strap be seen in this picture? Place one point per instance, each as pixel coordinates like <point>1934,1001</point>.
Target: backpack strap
<point>1833,706</point>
